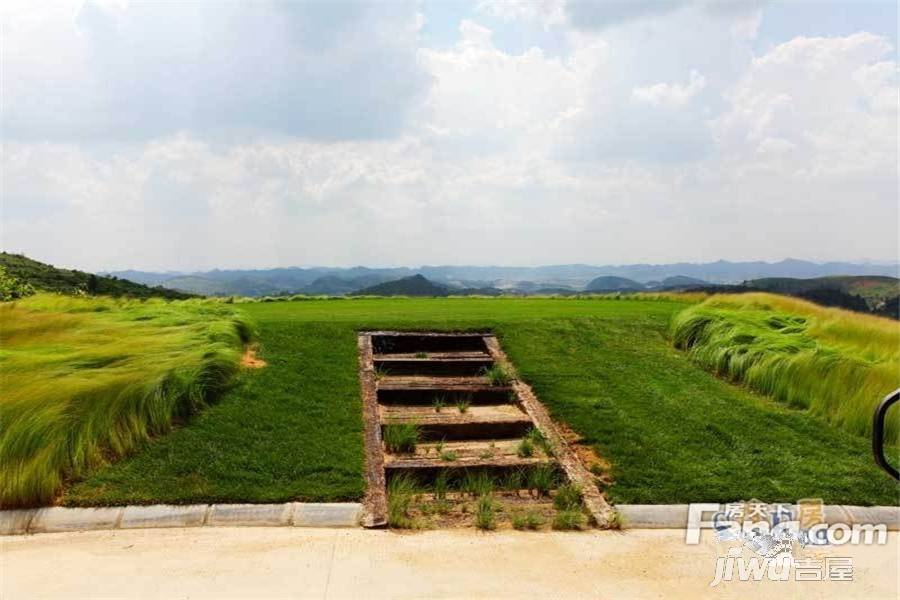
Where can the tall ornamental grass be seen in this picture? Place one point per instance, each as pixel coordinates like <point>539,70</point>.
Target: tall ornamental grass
<point>835,363</point>
<point>85,380</point>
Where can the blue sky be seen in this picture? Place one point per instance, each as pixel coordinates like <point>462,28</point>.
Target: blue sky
<point>202,135</point>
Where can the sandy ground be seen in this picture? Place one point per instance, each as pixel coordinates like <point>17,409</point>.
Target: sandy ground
<point>321,563</point>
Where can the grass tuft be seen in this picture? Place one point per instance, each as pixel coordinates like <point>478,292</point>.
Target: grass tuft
<point>541,479</point>
<point>489,451</point>
<point>498,375</point>
<point>477,483</point>
<point>441,485</point>
<point>401,491</point>
<point>530,520</point>
<point>401,437</point>
<point>569,520</point>
<point>537,438</point>
<point>615,521</point>
<point>486,513</point>
<point>567,497</point>
<point>515,479</point>
<point>525,448</point>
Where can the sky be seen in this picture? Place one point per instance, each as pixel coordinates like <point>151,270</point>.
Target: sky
<point>190,136</point>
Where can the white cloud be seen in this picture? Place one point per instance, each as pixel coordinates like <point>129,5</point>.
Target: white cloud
<point>590,14</point>
<point>834,100</point>
<point>610,149</point>
<point>485,100</point>
<point>546,12</point>
<point>138,70</point>
<point>670,94</point>
<point>651,99</point>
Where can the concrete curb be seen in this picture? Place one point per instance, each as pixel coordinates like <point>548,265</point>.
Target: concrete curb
<point>58,519</point>
<point>15,522</point>
<point>675,516</point>
<point>163,515</point>
<point>653,516</point>
<point>327,515</point>
<point>250,515</point>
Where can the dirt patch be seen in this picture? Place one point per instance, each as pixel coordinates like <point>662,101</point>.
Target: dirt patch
<point>599,467</point>
<point>250,360</point>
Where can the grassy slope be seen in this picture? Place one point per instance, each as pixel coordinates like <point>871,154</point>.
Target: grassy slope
<point>674,432</point>
<point>52,279</point>
<point>834,362</point>
<point>86,380</point>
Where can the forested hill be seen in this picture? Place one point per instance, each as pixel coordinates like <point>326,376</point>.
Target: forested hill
<point>47,278</point>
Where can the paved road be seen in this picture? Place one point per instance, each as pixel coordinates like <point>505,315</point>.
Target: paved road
<point>322,563</point>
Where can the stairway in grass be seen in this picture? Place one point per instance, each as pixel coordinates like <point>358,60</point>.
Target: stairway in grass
<point>450,427</point>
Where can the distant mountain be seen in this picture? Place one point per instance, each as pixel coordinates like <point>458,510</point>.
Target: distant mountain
<point>44,277</point>
<point>269,282</point>
<point>332,285</point>
<point>145,277</point>
<point>679,282</point>
<point>417,285</point>
<point>609,283</point>
<point>734,272</point>
<point>196,285</point>
<point>557,291</point>
<point>327,280</point>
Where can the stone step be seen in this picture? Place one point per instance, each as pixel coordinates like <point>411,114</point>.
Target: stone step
<point>478,422</point>
<point>466,453</point>
<point>449,383</point>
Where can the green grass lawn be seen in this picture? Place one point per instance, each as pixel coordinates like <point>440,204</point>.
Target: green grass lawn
<point>673,432</point>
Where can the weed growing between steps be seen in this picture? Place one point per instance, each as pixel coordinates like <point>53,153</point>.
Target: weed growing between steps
<point>401,437</point>
<point>498,375</point>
